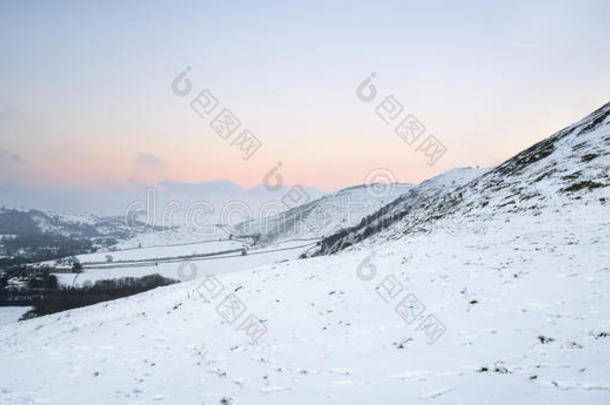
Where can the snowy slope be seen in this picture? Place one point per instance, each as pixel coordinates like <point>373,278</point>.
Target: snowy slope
<point>525,311</point>
<point>325,215</point>
<point>413,199</point>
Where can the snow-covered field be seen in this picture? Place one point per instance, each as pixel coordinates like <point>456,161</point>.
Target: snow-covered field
<point>525,307</point>
<point>180,269</point>
<point>163,251</point>
<point>179,236</point>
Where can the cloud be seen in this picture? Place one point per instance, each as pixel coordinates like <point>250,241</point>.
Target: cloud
<point>148,160</point>
<point>4,154</point>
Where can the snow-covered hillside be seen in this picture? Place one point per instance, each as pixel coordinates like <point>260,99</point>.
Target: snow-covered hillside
<point>31,222</point>
<point>412,200</point>
<point>525,309</point>
<point>325,215</point>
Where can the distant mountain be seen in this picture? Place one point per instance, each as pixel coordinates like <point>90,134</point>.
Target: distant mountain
<point>115,202</point>
<point>35,235</point>
<point>570,167</point>
<point>33,222</point>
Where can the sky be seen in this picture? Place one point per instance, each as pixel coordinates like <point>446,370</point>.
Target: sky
<point>87,100</point>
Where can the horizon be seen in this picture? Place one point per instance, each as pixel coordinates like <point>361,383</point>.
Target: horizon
<point>133,184</point>
<point>133,189</point>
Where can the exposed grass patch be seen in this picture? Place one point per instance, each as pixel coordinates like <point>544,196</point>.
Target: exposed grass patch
<point>589,185</point>
<point>572,176</point>
<point>595,123</point>
<point>588,157</point>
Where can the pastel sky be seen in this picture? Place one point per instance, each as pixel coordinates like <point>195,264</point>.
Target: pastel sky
<point>86,98</point>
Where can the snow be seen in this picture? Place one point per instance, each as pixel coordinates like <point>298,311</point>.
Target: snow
<point>10,315</point>
<point>205,266</point>
<point>163,251</point>
<point>337,340</point>
<point>326,215</point>
<point>180,236</point>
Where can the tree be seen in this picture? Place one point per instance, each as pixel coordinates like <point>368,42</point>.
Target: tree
<point>77,267</point>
